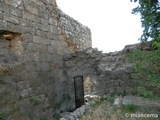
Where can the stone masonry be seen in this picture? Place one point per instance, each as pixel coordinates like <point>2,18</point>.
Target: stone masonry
<point>33,83</point>
<point>104,73</point>
<point>42,50</point>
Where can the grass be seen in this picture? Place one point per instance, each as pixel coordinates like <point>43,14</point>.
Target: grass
<point>105,110</point>
<point>129,108</point>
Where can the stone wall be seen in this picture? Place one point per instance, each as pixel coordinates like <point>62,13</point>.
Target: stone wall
<point>104,73</point>
<point>33,80</point>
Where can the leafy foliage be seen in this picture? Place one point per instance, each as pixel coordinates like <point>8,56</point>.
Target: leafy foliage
<point>150,18</point>
<point>146,66</point>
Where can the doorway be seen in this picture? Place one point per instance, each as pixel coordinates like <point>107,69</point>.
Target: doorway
<point>79,91</point>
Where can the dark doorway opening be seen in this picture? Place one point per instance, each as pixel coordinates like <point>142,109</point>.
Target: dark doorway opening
<point>79,91</point>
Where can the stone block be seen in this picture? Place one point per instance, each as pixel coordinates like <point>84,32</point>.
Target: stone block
<point>45,66</point>
<point>120,90</point>
<point>31,17</point>
<point>51,49</point>
<point>15,28</point>
<point>3,25</point>
<point>23,22</point>
<point>55,43</point>
<point>49,57</point>
<point>29,23</point>
<point>13,96</point>
<point>41,40</point>
<point>4,43</point>
<point>15,11</point>
<point>1,15</point>
<point>44,34</point>
<point>31,7</point>
<point>42,48</point>
<point>23,85</point>
<point>28,37</point>
<point>38,33</point>
<point>43,27</point>
<point>53,29</point>
<point>32,47</point>
<point>11,18</point>
<point>111,90</point>
<point>23,103</point>
<point>29,30</point>
<point>4,7</point>
<point>26,92</point>
<point>52,21</point>
<point>3,88</point>
<point>36,56</point>
<point>35,25</point>
<point>44,21</point>
<point>14,3</point>
<point>37,2</point>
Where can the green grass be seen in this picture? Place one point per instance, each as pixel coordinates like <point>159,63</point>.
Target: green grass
<point>128,108</point>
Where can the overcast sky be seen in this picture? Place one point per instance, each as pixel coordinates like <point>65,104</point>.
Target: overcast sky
<point>111,22</point>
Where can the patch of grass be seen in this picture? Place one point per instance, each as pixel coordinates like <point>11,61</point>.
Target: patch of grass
<point>34,101</point>
<point>56,116</point>
<point>128,108</point>
<point>114,109</point>
<point>7,92</point>
<point>110,99</point>
<point>43,118</point>
<point>57,104</point>
<point>13,110</point>
<point>2,116</point>
<point>98,103</point>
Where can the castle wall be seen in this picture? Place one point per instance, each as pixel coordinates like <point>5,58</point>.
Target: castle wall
<point>33,80</point>
<point>106,73</point>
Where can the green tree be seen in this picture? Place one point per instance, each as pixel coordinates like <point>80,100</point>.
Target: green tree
<point>150,18</point>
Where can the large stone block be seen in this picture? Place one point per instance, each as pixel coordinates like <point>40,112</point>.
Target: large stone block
<point>23,22</point>
<point>53,29</point>
<point>26,92</point>
<point>31,17</point>
<point>52,21</point>
<point>31,7</point>
<point>52,49</point>
<point>43,27</point>
<point>13,96</point>
<point>3,25</point>
<point>4,7</point>
<point>15,28</point>
<point>49,57</point>
<point>45,66</point>
<point>23,85</point>
<point>29,30</point>
<point>44,21</point>
<point>14,3</point>
<point>15,11</point>
<point>38,2</point>
<point>41,40</point>
<point>28,37</point>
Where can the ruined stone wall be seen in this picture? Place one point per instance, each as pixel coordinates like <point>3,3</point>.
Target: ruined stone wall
<point>104,73</point>
<point>33,80</point>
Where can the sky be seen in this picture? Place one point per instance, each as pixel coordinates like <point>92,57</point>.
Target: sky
<point>111,22</point>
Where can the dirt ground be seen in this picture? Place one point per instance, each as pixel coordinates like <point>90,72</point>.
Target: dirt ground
<point>105,110</point>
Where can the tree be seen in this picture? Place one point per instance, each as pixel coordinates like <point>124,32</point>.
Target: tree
<point>150,18</point>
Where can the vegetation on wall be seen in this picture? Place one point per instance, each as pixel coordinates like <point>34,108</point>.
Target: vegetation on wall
<point>147,63</point>
<point>150,18</point>
<point>146,66</point>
